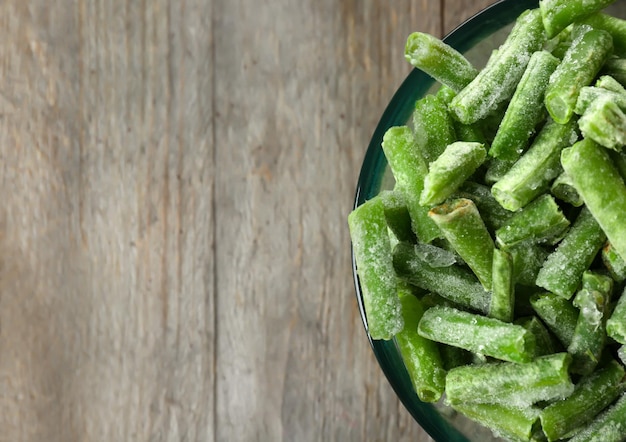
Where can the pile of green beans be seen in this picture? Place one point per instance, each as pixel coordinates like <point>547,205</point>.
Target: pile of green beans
<point>498,261</point>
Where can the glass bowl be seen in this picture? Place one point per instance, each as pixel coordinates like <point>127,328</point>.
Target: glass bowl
<point>475,39</point>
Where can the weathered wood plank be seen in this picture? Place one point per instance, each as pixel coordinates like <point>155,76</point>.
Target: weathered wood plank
<point>300,88</point>
<point>106,301</point>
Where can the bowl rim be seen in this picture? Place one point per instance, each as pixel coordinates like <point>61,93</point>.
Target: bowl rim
<point>398,111</point>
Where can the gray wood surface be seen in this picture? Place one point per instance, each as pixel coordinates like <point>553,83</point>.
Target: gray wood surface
<point>174,255</point>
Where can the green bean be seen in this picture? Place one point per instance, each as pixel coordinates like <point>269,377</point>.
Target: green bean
<point>497,169</point>
<point>607,427</point>
<point>462,226</point>
<point>604,122</point>
<point>372,254</point>
<point>421,356</point>
<point>511,384</point>
<point>590,335</point>
<point>616,324</point>
<point>445,94</point>
<point>454,283</point>
<point>562,272</point>
<point>611,24</point>
<point>503,287</point>
<point>525,110</point>
<point>614,263</point>
<point>433,127</point>
<point>539,221</point>
<point>559,14</point>
<point>478,334</point>
<point>492,213</point>
<point>397,215</point>
<point>616,68</point>
<point>409,170</point>
<point>545,344</point>
<point>591,395</point>
<point>510,423</point>
<point>580,65</point>
<point>439,60</point>
<point>532,174</point>
<point>563,189</point>
<point>498,80</point>
<point>446,174</point>
<point>528,258</point>
<point>590,94</point>
<point>601,187</point>
<point>559,315</point>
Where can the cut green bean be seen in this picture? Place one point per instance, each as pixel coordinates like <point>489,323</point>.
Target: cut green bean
<point>532,174</point>
<point>372,254</point>
<point>563,189</point>
<point>601,187</point>
<point>590,336</point>
<point>510,423</point>
<point>478,334</point>
<point>582,62</point>
<point>545,344</point>
<point>525,110</point>
<point>511,384</point>
<point>614,263</point>
<point>492,213</point>
<point>397,215</point>
<point>433,126</point>
<point>498,80</point>
<point>462,226</point>
<point>609,426</point>
<point>611,24</point>
<point>446,174</point>
<point>604,122</point>
<point>455,283</point>
<point>539,221</point>
<point>503,286</point>
<point>528,258</point>
<point>616,68</point>
<point>409,170</point>
<point>559,315</point>
<point>421,356</point>
<point>591,395</point>
<point>562,272</point>
<point>559,14</point>
<point>439,60</point>
<point>616,324</point>
<point>589,94</point>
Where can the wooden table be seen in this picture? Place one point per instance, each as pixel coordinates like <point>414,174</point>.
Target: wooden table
<point>176,177</point>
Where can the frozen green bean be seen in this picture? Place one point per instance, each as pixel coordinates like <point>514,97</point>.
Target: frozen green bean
<point>511,423</point>
<point>532,174</point>
<point>409,170</point>
<point>446,174</point>
<point>538,221</point>
<point>503,286</point>
<point>601,187</point>
<point>607,427</point>
<point>616,324</point>
<point>421,356</point>
<point>492,213</point>
<point>559,14</point>
<point>439,60</point>
<point>397,215</point>
<point>589,335</point>
<point>497,81</point>
<point>611,24</point>
<point>604,122</point>
<point>563,189</point>
<point>455,283</point>
<point>511,384</point>
<point>462,226</point>
<point>525,110</point>
<point>372,254</point>
<point>478,334</point>
<point>591,395</point>
<point>433,127</point>
<point>580,65</point>
<point>614,263</point>
<point>563,270</point>
<point>559,315</point>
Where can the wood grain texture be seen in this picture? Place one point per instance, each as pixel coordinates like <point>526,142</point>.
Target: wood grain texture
<point>174,254</point>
